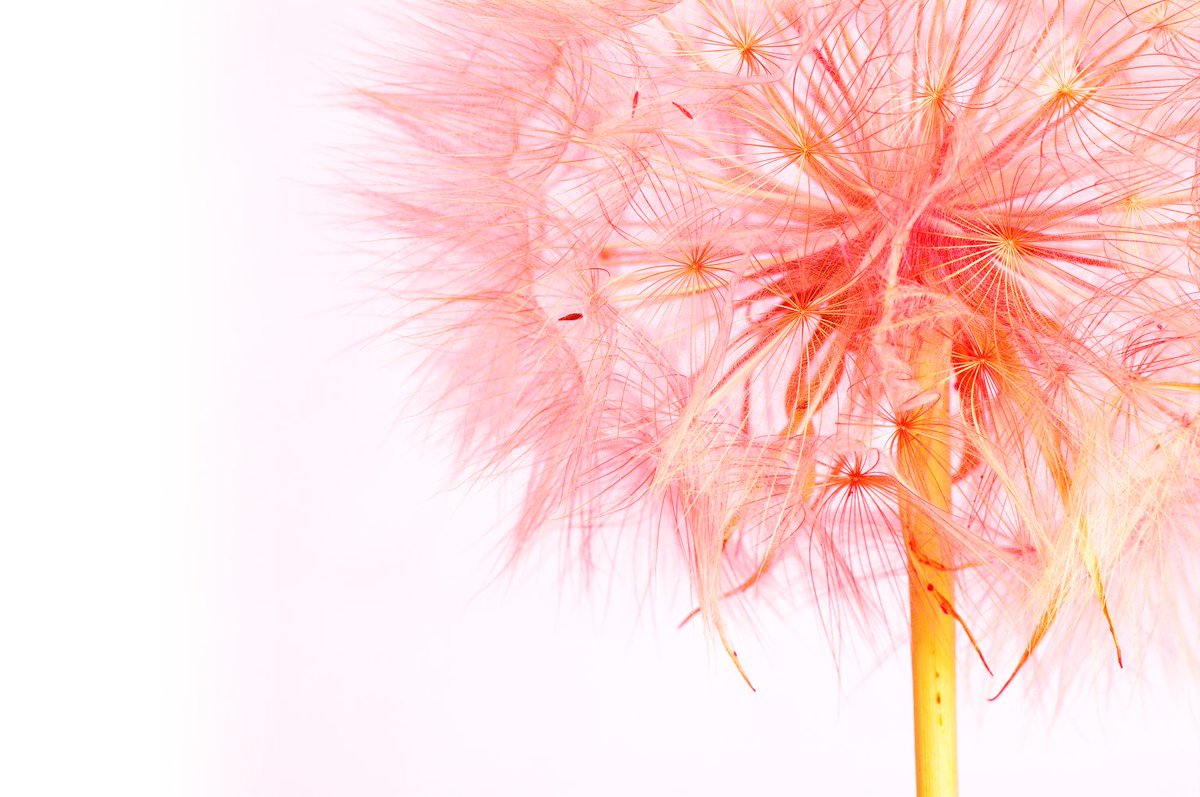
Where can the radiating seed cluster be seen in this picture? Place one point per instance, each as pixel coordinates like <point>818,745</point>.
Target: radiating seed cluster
<point>676,257</point>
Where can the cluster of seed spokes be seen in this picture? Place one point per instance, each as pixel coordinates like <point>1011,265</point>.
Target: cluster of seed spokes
<point>821,301</point>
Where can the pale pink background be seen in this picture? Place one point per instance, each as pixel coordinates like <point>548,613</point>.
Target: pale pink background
<point>329,621</point>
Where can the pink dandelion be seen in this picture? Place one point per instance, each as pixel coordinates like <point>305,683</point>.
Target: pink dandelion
<point>891,304</point>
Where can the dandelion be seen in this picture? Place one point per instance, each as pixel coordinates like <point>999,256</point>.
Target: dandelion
<point>901,297</point>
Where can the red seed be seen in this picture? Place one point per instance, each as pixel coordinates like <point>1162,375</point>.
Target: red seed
<point>571,317</point>
<point>683,110</point>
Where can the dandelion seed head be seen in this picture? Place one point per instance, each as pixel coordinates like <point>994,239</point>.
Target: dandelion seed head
<point>675,259</point>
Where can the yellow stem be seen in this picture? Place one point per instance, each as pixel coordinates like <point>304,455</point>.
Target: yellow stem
<point>923,453</point>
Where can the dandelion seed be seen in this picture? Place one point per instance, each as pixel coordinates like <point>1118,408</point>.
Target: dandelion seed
<point>910,309</point>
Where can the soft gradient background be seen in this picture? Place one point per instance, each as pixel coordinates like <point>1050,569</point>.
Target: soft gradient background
<point>234,567</point>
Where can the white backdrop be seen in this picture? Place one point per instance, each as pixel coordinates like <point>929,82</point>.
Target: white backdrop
<point>233,568</point>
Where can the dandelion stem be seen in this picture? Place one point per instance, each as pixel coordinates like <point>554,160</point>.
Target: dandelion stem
<point>923,453</point>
